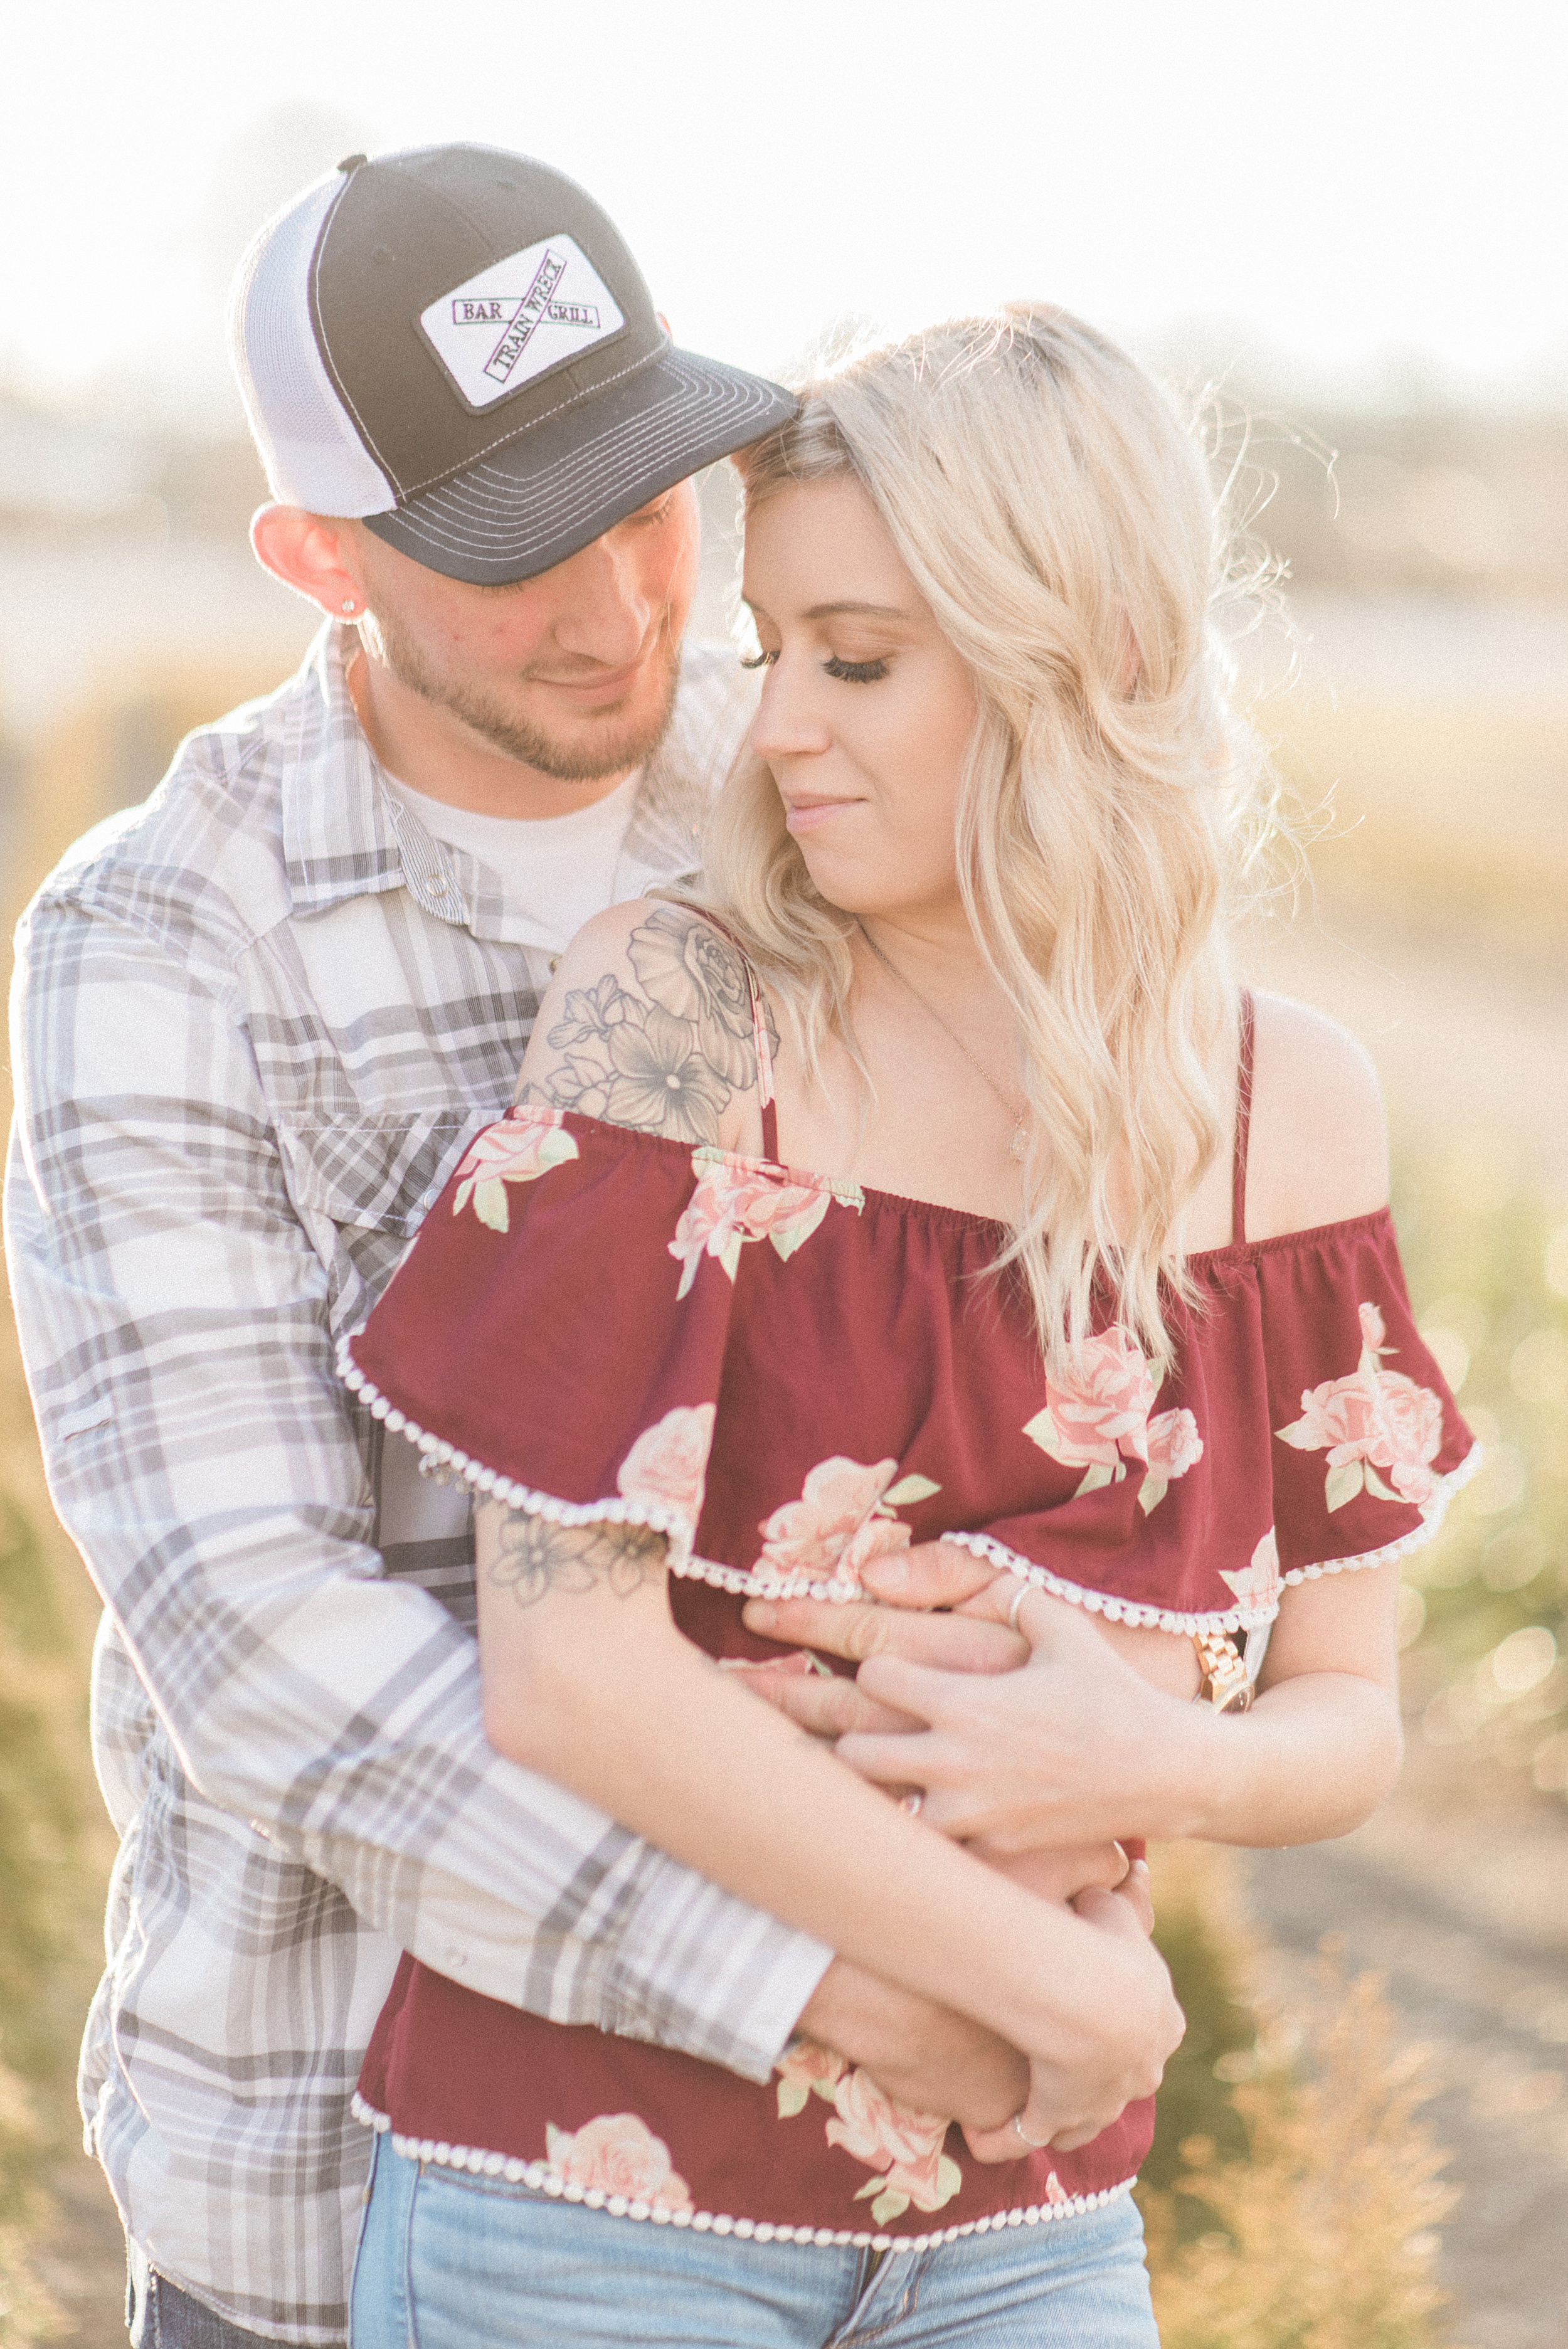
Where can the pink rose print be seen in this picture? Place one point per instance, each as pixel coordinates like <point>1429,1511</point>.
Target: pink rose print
<point>736,1201</point>
<point>905,2147</point>
<point>666,1467</point>
<point>1373,1420</point>
<point>1174,1447</point>
<point>833,1528</point>
<point>529,1141</point>
<point>618,2154</point>
<point>1055,2191</point>
<point>805,2070</point>
<point>928,2183</point>
<point>1258,1585</point>
<point>1104,1418</point>
<point>1102,1422</point>
<point>800,1665</point>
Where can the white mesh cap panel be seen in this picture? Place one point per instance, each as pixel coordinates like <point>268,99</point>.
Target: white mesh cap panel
<point>314,455</point>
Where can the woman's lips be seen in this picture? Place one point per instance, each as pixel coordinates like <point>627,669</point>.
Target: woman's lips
<point>809,816</point>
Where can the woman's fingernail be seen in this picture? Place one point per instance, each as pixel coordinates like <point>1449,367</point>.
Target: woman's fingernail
<point>760,1615</point>
<point>886,1574</point>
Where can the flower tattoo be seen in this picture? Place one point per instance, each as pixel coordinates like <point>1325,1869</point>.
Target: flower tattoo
<point>666,1062</point>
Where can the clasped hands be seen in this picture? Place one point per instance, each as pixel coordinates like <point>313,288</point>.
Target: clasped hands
<point>1039,1746</point>
<point>1019,1739</point>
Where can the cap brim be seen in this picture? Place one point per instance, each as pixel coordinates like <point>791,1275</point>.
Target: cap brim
<point>575,474</point>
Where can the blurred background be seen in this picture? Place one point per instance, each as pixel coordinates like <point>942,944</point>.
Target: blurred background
<point>1340,235</point>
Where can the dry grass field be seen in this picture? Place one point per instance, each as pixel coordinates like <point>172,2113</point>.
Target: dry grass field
<point>1294,2199</point>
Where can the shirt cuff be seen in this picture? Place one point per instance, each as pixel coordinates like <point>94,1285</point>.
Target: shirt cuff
<point>696,1969</point>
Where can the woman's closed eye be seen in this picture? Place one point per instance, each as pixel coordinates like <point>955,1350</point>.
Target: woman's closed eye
<point>866,672</point>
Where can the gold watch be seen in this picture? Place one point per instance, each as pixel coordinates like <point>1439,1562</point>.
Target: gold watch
<point>1224,1682</point>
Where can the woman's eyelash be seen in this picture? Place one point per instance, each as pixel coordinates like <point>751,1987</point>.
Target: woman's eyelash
<point>869,672</point>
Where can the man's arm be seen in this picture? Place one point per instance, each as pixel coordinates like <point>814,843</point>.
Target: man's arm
<point>202,1452</point>
<point>588,1677</point>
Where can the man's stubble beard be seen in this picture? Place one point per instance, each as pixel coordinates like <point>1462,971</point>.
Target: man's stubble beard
<point>590,762</point>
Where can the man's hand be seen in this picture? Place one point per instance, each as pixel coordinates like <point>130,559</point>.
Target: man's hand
<point>921,2055</point>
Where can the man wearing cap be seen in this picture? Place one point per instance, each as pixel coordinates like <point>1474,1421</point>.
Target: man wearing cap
<point>255,1022</point>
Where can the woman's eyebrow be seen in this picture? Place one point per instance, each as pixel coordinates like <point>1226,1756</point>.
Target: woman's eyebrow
<point>872,611</point>
<point>847,609</point>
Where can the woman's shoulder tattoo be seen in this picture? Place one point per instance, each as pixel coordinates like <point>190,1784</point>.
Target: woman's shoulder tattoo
<point>667,1055</point>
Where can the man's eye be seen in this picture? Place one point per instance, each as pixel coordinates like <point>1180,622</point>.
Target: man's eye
<point>757,660</point>
<point>869,672</point>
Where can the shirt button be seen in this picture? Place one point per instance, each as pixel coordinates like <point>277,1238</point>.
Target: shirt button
<point>438,888</point>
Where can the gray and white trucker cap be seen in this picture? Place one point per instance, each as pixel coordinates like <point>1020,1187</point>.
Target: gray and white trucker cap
<point>454,344</point>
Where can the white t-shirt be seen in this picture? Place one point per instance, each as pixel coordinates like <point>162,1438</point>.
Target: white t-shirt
<point>556,871</point>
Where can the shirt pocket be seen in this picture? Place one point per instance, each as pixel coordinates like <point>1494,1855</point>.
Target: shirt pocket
<point>361,1186</point>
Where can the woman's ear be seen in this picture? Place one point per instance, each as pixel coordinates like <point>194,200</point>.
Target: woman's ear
<point>315,554</point>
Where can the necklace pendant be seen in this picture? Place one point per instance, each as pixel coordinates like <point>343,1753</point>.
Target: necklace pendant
<point>1018,1145</point>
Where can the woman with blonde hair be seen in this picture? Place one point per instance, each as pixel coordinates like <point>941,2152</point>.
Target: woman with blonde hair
<point>921,1177</point>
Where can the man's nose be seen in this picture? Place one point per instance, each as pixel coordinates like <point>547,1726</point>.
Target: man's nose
<point>606,610</point>
<point>789,723</point>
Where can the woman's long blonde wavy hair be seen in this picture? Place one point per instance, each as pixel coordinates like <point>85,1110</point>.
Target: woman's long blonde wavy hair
<point>1060,522</point>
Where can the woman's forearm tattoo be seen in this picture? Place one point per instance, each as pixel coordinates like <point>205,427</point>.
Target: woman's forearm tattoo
<point>666,1061</point>
<point>534,1556</point>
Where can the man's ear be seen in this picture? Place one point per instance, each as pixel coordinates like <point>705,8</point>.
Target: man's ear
<point>315,554</point>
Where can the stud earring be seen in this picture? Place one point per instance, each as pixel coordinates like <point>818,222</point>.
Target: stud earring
<point>349,605</point>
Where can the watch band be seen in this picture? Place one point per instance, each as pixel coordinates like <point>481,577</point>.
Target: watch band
<point>1224,1680</point>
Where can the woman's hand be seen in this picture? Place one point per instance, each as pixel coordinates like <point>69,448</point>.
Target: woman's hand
<point>1106,1889</point>
<point>1072,1747</point>
<point>1095,1735</point>
<point>1067,1873</point>
<point>1075,1746</point>
<point>1118,2054</point>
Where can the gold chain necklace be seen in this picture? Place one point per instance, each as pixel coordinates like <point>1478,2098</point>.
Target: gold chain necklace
<point>1019,1141</point>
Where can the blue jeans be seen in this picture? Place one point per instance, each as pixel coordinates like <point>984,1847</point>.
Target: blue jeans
<point>158,2315</point>
<point>448,2260</point>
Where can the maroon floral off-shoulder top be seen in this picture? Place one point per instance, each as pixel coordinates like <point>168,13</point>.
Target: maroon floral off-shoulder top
<point>787,1376</point>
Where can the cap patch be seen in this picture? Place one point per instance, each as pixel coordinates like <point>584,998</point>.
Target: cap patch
<point>518,319</point>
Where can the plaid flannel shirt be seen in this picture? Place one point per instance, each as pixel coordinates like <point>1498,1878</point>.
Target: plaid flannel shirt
<point>254,1023</point>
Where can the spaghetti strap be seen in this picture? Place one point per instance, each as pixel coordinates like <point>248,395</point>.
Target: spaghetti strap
<point>1244,1122</point>
<point>759,1038</point>
<point>763,1042</point>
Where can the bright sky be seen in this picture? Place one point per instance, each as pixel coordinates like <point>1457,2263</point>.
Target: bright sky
<point>1344,178</point>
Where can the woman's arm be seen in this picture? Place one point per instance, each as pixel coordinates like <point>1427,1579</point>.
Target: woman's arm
<point>588,1680</point>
